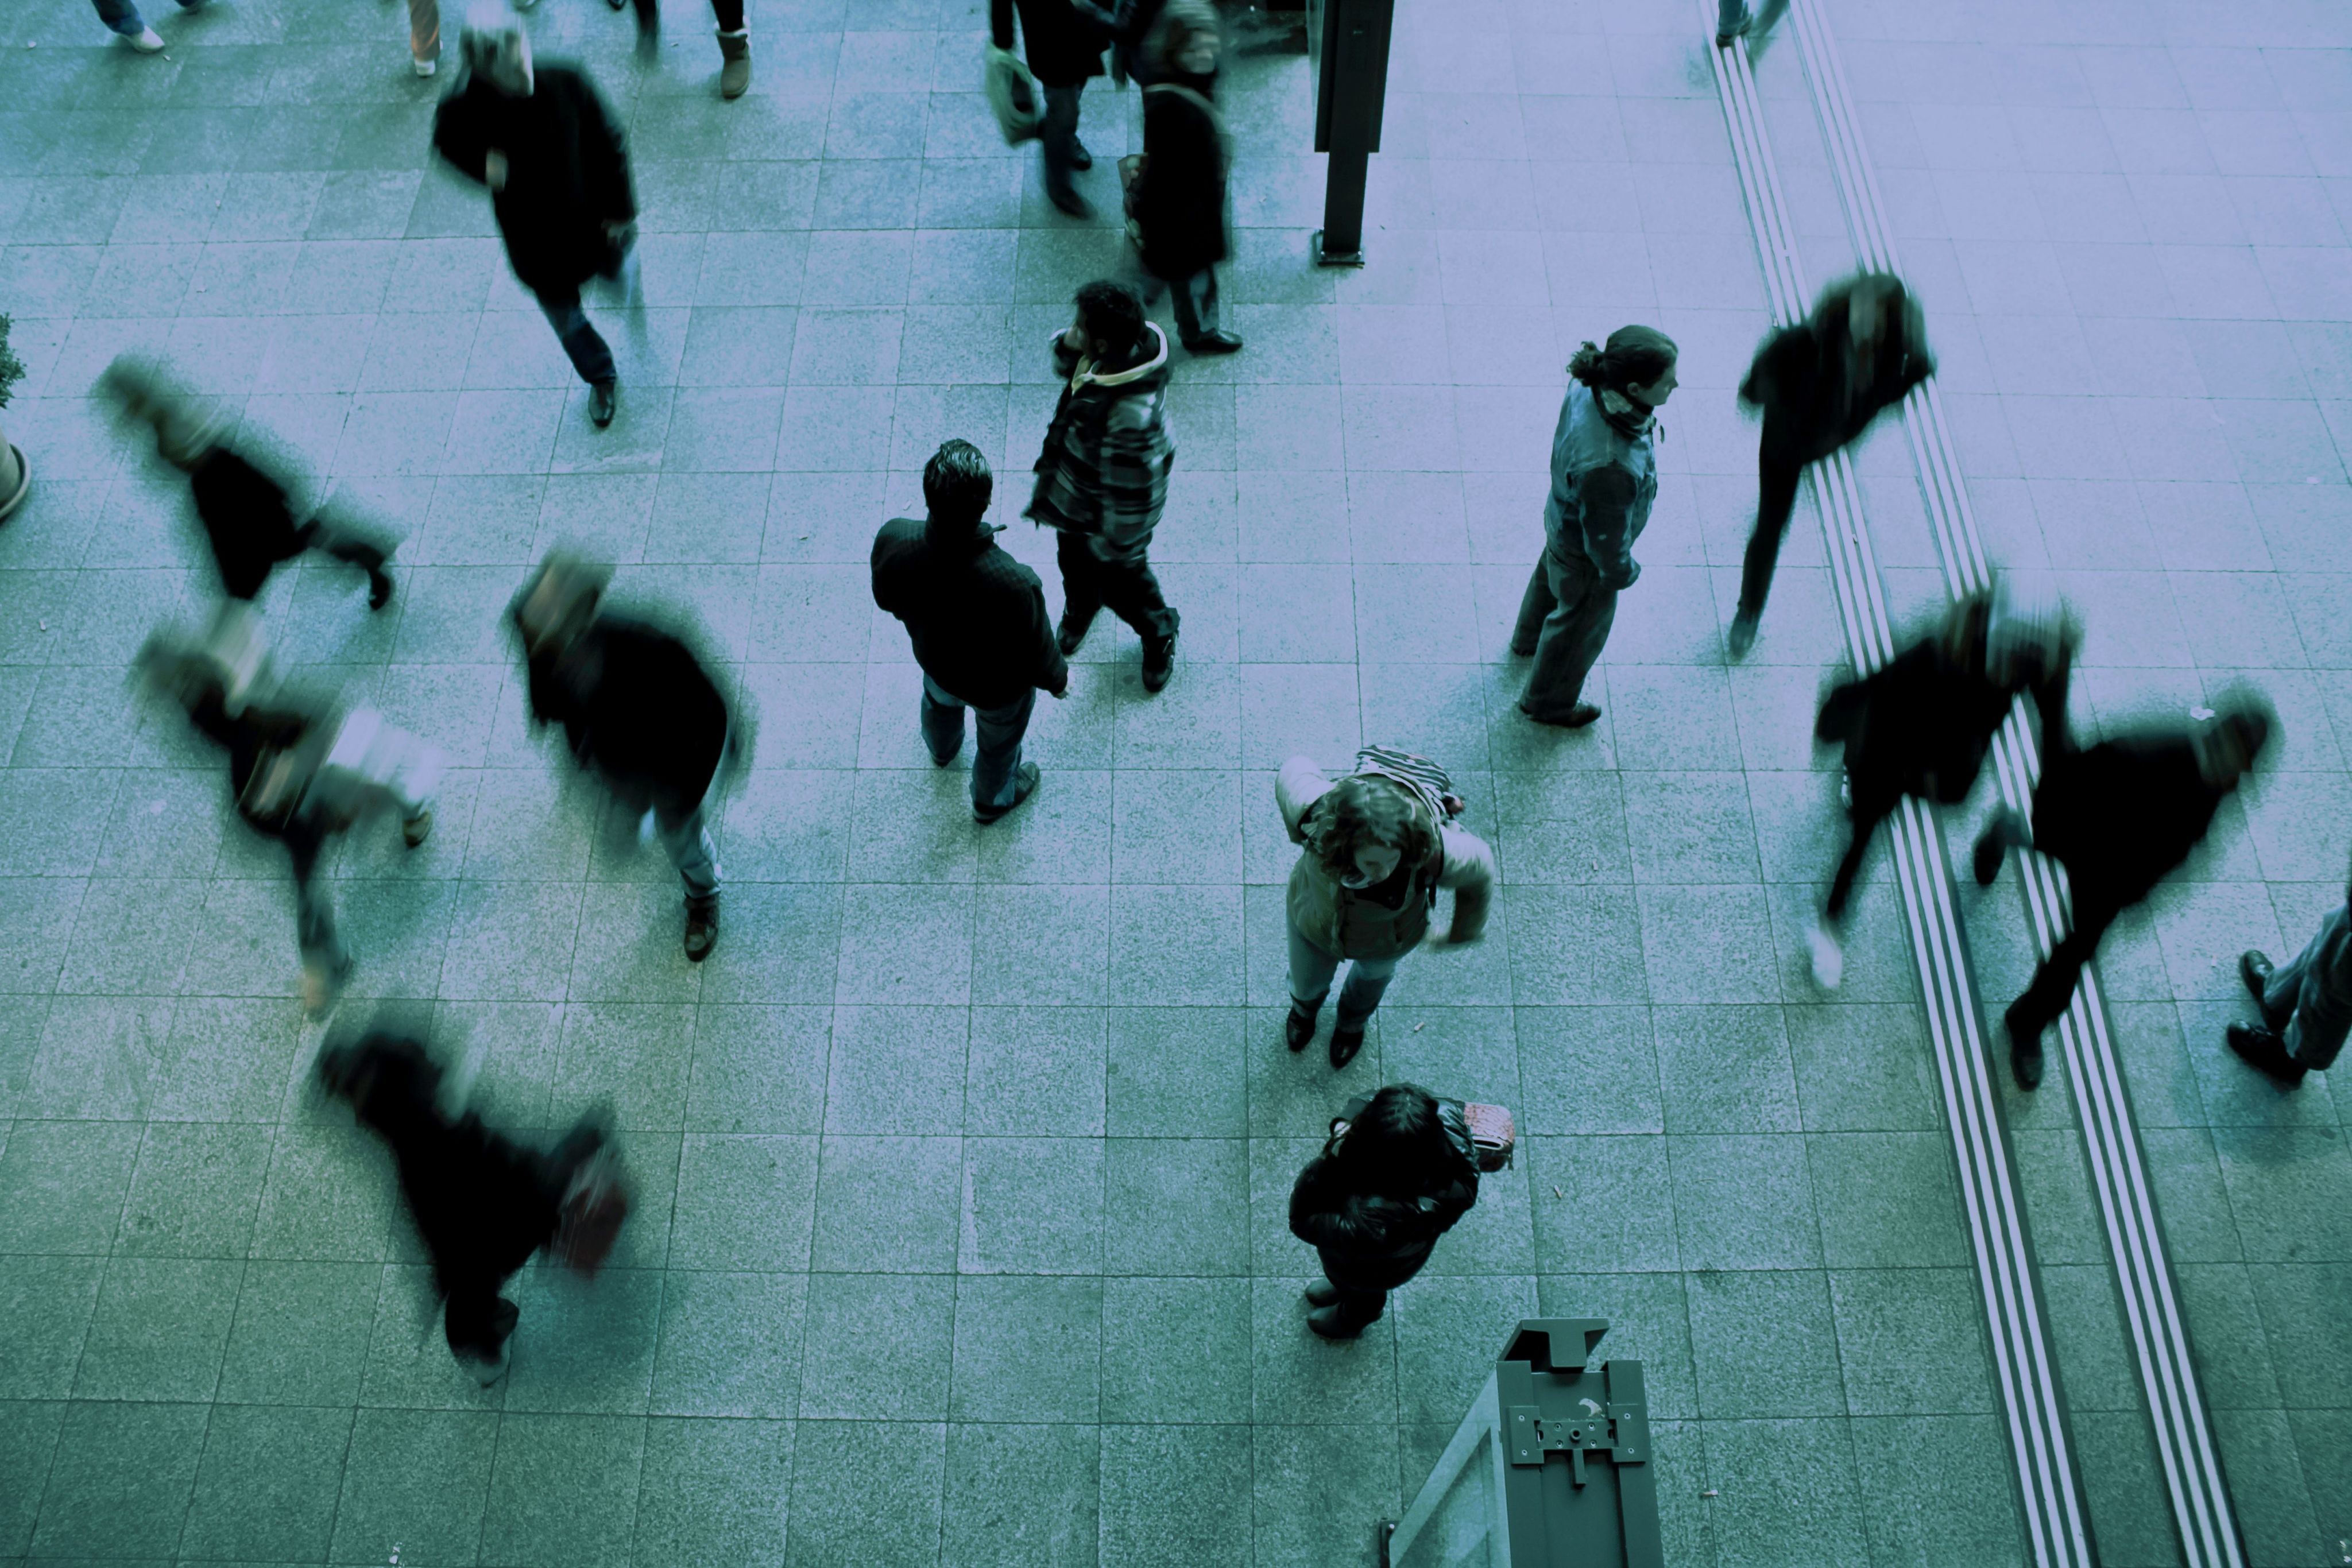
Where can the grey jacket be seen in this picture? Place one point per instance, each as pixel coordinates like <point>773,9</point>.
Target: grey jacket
<point>1318,906</point>
<point>1602,482</point>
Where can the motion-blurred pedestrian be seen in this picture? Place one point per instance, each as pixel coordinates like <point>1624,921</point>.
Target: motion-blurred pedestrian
<point>301,775</point>
<point>1177,208</point>
<point>482,1202</point>
<point>1102,475</point>
<point>2306,1007</point>
<point>1379,844</point>
<point>1922,725</point>
<point>249,515</point>
<point>979,624</point>
<point>2119,816</point>
<point>734,40</point>
<point>639,712</point>
<point>1733,20</point>
<point>1063,41</point>
<point>541,137</point>
<point>1604,475</point>
<point>1374,1202</point>
<point>1820,383</point>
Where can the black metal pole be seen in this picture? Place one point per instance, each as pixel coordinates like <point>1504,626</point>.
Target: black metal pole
<point>1340,241</point>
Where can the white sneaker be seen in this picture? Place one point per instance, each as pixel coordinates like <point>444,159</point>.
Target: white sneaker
<point>424,68</point>
<point>1829,958</point>
<point>148,42</point>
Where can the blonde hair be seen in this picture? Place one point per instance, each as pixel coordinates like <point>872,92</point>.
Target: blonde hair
<point>1178,24</point>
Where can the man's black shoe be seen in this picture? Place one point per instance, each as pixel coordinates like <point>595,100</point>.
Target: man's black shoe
<point>1217,343</point>
<point>1159,663</point>
<point>2267,1053</point>
<point>1322,1293</point>
<point>379,588</point>
<point>2255,969</point>
<point>2024,1050</point>
<point>601,402</point>
<point>1025,784</point>
<point>701,927</point>
<point>1987,862</point>
<point>1298,1028</point>
<point>1344,1043</point>
<point>1069,637</point>
<point>1080,159</point>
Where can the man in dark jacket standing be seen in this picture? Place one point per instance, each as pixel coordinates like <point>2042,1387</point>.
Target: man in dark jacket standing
<point>548,149</point>
<point>1065,41</point>
<point>1820,383</point>
<point>1102,477</point>
<point>2119,816</point>
<point>978,620</point>
<point>2306,1007</point>
<point>640,712</point>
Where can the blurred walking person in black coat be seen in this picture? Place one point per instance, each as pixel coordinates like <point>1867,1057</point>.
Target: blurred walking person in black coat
<point>640,712</point>
<point>482,1202</point>
<point>1177,208</point>
<point>1374,1202</point>
<point>2120,816</point>
<point>249,516</point>
<point>1922,723</point>
<point>544,140</point>
<point>1820,383</point>
<point>1063,41</point>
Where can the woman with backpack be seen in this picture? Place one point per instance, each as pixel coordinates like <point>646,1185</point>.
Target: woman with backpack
<point>1176,208</point>
<point>1380,842</point>
<point>1389,1181</point>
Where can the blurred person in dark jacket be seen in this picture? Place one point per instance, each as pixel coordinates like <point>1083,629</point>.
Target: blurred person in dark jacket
<point>2306,1007</point>
<point>1063,42</point>
<point>301,775</point>
<point>541,137</point>
<point>1604,476</point>
<point>979,624</point>
<point>482,1202</point>
<point>1374,1202</point>
<point>639,712</point>
<point>1178,205</point>
<point>1922,723</point>
<point>1102,473</point>
<point>2120,816</point>
<point>1820,382</point>
<point>249,515</point>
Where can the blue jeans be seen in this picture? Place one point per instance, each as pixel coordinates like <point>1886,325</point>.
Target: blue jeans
<point>1000,732</point>
<point>1311,969</point>
<point>123,16</point>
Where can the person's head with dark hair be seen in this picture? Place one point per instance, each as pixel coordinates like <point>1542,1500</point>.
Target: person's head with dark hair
<point>957,487</point>
<point>1110,319</point>
<point>1399,1145</point>
<point>379,1073</point>
<point>1637,363</point>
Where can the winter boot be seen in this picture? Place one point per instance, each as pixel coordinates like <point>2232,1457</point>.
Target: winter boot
<point>735,75</point>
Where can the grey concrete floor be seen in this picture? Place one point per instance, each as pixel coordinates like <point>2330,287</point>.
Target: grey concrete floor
<point>964,1162</point>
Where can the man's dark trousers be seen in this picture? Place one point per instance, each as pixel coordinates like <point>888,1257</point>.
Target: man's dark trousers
<point>1126,588</point>
<point>998,757</point>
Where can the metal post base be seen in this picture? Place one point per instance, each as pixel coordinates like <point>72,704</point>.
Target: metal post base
<point>1334,257</point>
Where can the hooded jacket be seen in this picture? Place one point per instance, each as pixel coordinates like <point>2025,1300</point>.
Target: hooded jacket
<point>977,616</point>
<point>1378,1240</point>
<point>567,171</point>
<point>1603,480</point>
<point>1103,471</point>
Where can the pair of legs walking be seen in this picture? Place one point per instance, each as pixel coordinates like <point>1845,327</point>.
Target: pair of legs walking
<point>996,765</point>
<point>123,17</point>
<point>1126,587</point>
<point>1776,502</point>
<point>1564,620</point>
<point>1311,969</point>
<point>2304,1024</point>
<point>1064,154</point>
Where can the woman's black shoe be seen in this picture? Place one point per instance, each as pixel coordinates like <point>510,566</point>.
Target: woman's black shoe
<point>1322,1293</point>
<point>1344,1043</point>
<point>1298,1028</point>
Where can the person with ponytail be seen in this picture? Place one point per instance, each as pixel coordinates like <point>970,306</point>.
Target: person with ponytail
<point>1604,475</point>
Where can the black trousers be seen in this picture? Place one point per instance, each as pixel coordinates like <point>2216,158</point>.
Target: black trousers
<point>729,14</point>
<point>1864,815</point>
<point>1776,501</point>
<point>2054,982</point>
<point>1126,588</point>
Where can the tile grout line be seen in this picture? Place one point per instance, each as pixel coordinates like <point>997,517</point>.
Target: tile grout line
<point>2025,1372</point>
<point>2194,1478</point>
